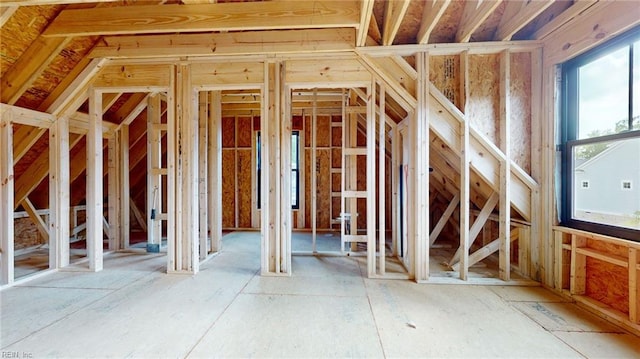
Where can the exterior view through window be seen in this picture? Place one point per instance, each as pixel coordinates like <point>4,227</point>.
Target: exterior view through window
<point>601,139</point>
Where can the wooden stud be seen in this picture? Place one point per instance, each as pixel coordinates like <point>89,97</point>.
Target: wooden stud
<point>59,193</point>
<point>124,190</point>
<point>465,177</point>
<point>505,168</point>
<point>536,244</point>
<point>382,176</point>
<point>578,266</point>
<point>396,157</point>
<point>203,187</point>
<point>6,199</point>
<point>314,172</point>
<point>634,286</point>
<point>113,192</point>
<point>215,170</point>
<point>371,179</point>
<point>419,161</point>
<point>286,223</point>
<point>154,163</point>
<point>173,180</point>
<point>94,182</point>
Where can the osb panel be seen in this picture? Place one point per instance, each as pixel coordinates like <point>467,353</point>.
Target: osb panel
<point>228,132</point>
<point>59,68</point>
<point>520,100</point>
<point>336,136</point>
<point>24,26</point>
<point>26,234</point>
<point>410,24</point>
<point>445,30</point>
<point>245,172</point>
<point>323,204</point>
<point>483,105</point>
<point>323,131</point>
<point>336,157</point>
<point>335,207</point>
<point>336,179</point>
<point>608,283</point>
<point>228,188</point>
<point>607,247</point>
<point>488,28</point>
<point>444,73</point>
<point>245,133</point>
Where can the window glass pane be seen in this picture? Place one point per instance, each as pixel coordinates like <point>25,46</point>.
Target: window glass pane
<point>606,178</point>
<point>636,86</point>
<point>294,189</point>
<point>603,102</point>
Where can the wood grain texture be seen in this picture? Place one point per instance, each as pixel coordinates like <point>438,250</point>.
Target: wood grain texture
<point>205,17</point>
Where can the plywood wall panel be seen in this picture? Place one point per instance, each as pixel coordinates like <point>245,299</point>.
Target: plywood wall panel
<point>608,283</point>
<point>483,105</point>
<point>323,131</point>
<point>520,97</point>
<point>324,188</point>
<point>336,179</point>
<point>244,132</point>
<point>336,136</point>
<point>228,132</point>
<point>245,171</point>
<point>307,187</point>
<point>444,73</point>
<point>228,188</point>
<point>336,158</point>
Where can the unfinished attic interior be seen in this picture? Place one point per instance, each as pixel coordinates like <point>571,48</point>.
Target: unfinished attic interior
<point>434,142</point>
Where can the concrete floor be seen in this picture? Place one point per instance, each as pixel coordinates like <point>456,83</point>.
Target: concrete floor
<point>326,309</point>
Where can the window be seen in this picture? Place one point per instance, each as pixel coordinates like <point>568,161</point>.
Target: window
<point>295,169</point>
<point>600,135</point>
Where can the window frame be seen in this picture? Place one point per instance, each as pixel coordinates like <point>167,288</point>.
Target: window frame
<point>569,121</point>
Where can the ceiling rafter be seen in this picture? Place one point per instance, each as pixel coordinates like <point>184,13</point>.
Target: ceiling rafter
<point>393,15</point>
<point>366,12</point>
<point>433,11</point>
<point>474,14</point>
<point>574,10</point>
<point>524,13</point>
<point>271,15</point>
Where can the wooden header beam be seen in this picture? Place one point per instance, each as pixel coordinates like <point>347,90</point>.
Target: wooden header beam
<point>230,43</point>
<point>269,15</point>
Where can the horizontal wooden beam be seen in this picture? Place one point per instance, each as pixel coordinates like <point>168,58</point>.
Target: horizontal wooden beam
<point>473,48</point>
<point>29,117</point>
<point>229,43</point>
<point>46,2</point>
<point>269,15</point>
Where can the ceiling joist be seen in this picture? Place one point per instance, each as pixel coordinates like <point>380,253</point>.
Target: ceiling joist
<point>393,16</point>
<point>524,13</point>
